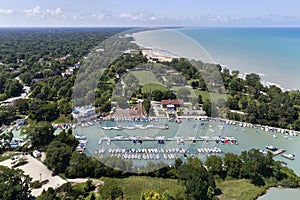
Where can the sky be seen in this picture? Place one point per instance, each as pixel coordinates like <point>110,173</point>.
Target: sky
<point>58,13</point>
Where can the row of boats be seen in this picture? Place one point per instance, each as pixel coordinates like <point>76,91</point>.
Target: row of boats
<point>137,126</point>
<point>214,150</point>
<point>153,153</point>
<point>82,142</point>
<point>162,139</point>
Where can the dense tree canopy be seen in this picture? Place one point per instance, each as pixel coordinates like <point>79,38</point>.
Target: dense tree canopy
<point>14,184</point>
<point>58,156</point>
<point>40,133</point>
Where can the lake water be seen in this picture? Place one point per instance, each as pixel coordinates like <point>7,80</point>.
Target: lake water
<point>281,194</point>
<point>247,138</point>
<point>271,52</point>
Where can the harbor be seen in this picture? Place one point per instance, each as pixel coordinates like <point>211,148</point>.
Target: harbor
<point>197,135</point>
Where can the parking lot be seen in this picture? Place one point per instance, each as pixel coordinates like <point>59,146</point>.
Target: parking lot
<point>37,171</point>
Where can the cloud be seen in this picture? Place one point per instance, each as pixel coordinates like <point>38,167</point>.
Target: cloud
<point>54,12</point>
<point>38,12</point>
<point>138,17</point>
<point>6,12</point>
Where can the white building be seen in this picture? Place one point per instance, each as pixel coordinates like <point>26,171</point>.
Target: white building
<point>84,113</point>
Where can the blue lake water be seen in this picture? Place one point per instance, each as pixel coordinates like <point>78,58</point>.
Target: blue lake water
<point>272,52</point>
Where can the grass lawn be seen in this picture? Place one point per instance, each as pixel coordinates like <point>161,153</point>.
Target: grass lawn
<point>134,186</point>
<point>144,77</point>
<point>154,86</point>
<point>239,189</point>
<point>205,95</point>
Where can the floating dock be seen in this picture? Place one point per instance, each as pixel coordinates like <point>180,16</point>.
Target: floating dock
<point>162,139</point>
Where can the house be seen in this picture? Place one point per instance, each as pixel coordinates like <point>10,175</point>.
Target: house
<point>172,104</point>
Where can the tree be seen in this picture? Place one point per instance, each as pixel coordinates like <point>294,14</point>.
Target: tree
<point>196,179</point>
<point>58,156</point>
<point>67,138</point>
<point>195,84</point>
<point>14,184</point>
<point>40,133</point>
<point>232,165</point>
<point>157,95</point>
<point>200,100</point>
<point>111,190</point>
<point>255,166</point>
<point>146,106</point>
<point>50,194</point>
<point>21,105</point>
<point>5,138</point>
<point>151,195</point>
<point>214,164</point>
<point>252,79</point>
<point>210,108</point>
<point>13,88</point>
<point>236,85</point>
<point>80,166</point>
<point>169,95</point>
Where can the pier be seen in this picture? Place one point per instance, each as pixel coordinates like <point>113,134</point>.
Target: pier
<point>162,139</point>
<point>277,152</point>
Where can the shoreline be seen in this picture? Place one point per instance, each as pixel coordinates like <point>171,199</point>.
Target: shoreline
<point>166,55</point>
<point>274,189</point>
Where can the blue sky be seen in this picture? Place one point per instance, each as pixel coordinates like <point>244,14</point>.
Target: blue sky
<point>149,13</point>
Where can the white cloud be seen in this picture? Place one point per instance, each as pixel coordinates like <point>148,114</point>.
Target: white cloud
<point>6,12</point>
<point>38,12</point>
<point>54,12</point>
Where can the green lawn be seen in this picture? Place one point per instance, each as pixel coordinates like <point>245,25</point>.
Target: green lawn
<point>205,95</point>
<point>144,77</point>
<point>134,186</point>
<point>239,189</point>
<point>154,86</point>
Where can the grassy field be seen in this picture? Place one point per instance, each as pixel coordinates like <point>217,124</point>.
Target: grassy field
<point>205,95</point>
<point>144,77</point>
<point>134,186</point>
<point>239,189</point>
<point>154,86</point>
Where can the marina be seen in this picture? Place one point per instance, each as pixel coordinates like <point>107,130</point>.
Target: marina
<point>193,134</point>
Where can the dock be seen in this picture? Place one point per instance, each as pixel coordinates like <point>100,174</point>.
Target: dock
<point>162,139</point>
<point>277,152</point>
<point>274,150</point>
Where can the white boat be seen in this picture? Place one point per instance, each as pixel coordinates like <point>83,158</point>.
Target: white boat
<point>129,127</point>
<point>106,127</point>
<point>274,136</point>
<point>288,156</point>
